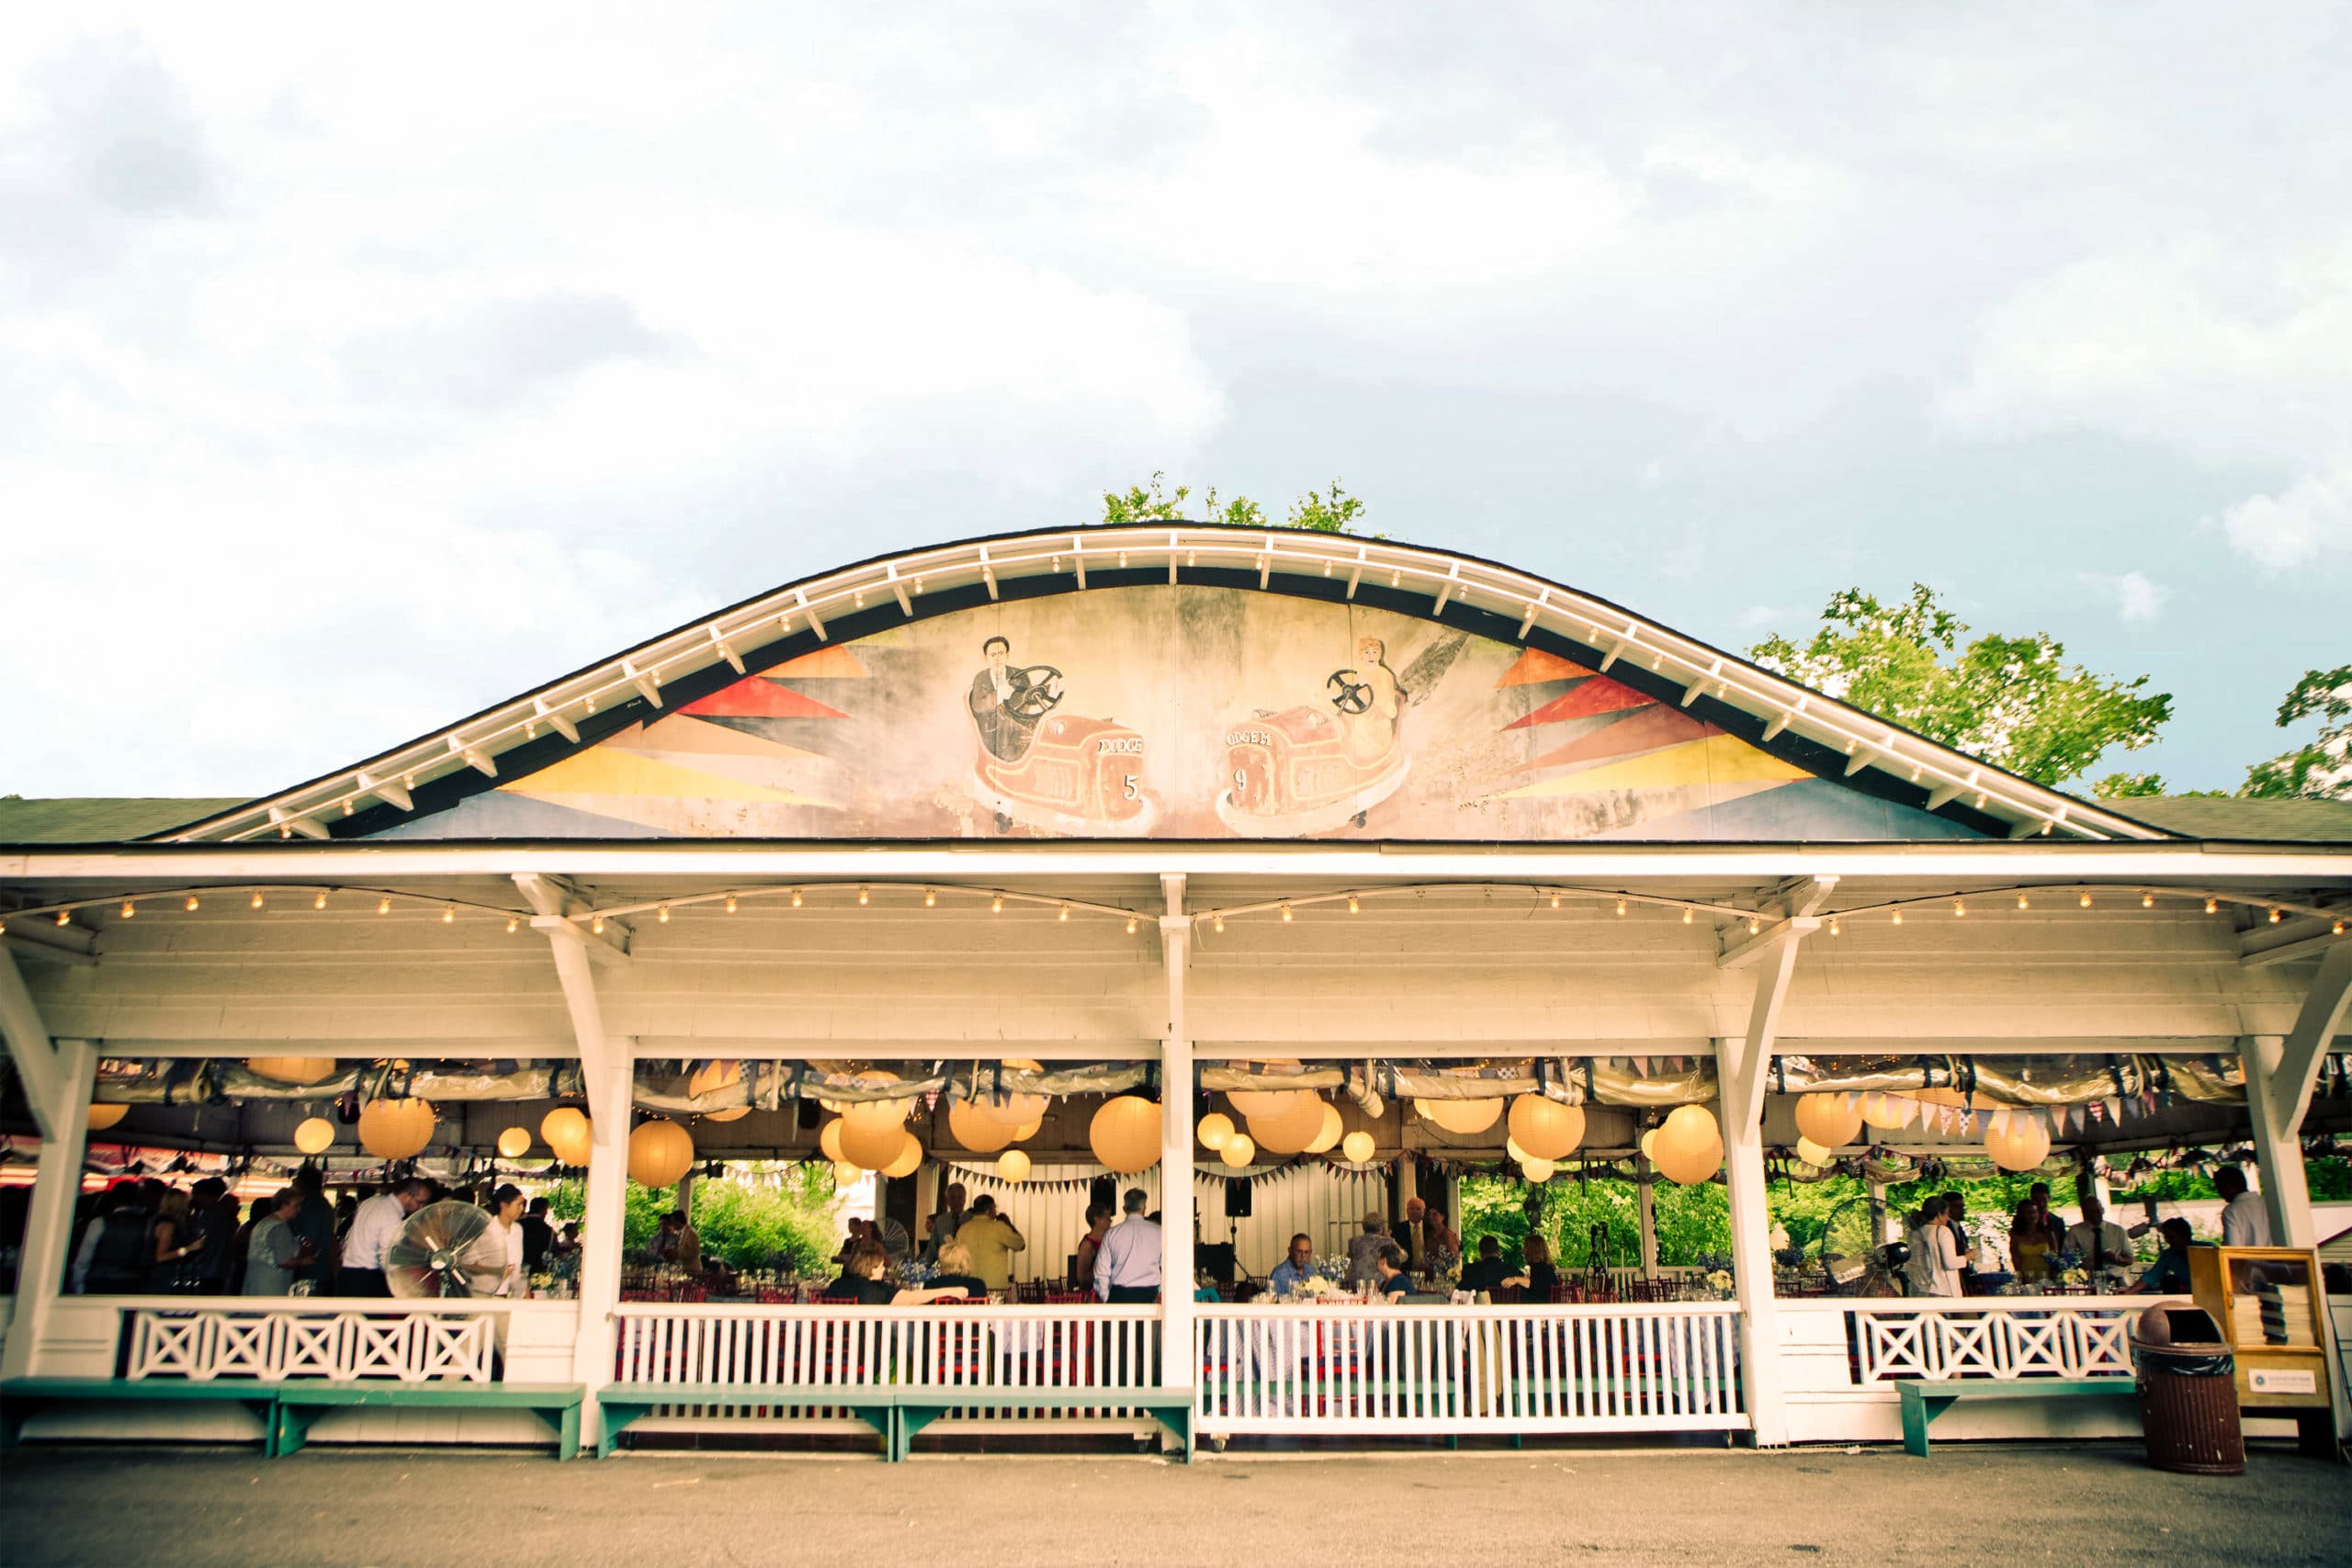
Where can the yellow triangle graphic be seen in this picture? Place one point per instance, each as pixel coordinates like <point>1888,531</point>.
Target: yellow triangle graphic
<point>599,772</point>
<point>1721,761</point>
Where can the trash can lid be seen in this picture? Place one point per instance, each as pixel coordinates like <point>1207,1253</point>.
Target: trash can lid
<point>2179,1324</point>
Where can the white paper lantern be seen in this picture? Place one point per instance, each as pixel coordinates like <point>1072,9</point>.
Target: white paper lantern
<point>1124,1134</point>
<point>1011,1109</point>
<point>1649,1146</point>
<point>1027,1130</point>
<point>1290,1132</point>
<point>1887,1112</point>
<point>1813,1152</point>
<point>1238,1151</point>
<point>1357,1147</point>
<point>291,1070</point>
<point>567,1133</point>
<point>847,1175</point>
<point>1214,1128</point>
<point>1545,1128</point>
<point>981,1134</point>
<point>1537,1171</point>
<point>1266,1102</point>
<point>909,1158</point>
<point>1328,1137</point>
<point>395,1129</point>
<point>102,1117</point>
<point>315,1135</point>
<point>1466,1118</point>
<point>659,1153</point>
<point>1690,1148</point>
<point>2024,1144</point>
<point>1828,1120</point>
<point>1013,1166</point>
<point>514,1143</point>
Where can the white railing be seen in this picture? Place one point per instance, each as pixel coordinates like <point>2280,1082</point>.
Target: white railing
<point>276,1338</point>
<point>1354,1368</point>
<point>1076,1346</point>
<point>1984,1336</point>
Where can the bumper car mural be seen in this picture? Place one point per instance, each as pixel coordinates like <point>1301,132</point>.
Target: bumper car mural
<point>1036,768</point>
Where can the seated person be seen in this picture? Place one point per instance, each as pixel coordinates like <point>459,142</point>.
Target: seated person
<point>1390,1282</point>
<point>1543,1278</point>
<point>862,1282</point>
<point>2168,1275</point>
<point>956,1270</point>
<point>1294,1269</point>
<point>1488,1272</point>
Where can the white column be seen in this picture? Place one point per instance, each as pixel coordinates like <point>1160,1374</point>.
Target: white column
<point>49,1223</point>
<point>600,1231</point>
<point>1645,1211</point>
<point>1176,1314</point>
<point>2277,1150</point>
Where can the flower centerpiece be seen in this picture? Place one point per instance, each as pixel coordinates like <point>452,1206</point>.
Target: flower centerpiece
<point>1720,1281</point>
<point>1313,1288</point>
<point>2075,1277</point>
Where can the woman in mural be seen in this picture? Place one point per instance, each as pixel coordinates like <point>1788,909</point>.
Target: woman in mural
<point>1321,766</point>
<point>1369,703</point>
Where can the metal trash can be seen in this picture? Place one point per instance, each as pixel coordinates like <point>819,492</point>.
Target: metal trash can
<point>2189,1392</point>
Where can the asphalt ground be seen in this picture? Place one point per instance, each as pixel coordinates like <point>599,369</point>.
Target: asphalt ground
<point>1971,1504</point>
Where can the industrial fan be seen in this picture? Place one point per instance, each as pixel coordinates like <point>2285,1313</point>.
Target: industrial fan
<point>447,1250</point>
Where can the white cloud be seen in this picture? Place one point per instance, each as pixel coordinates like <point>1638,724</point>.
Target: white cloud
<point>2310,521</point>
<point>2136,596</point>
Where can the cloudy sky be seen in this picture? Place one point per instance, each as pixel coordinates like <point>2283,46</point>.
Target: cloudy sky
<point>360,368</point>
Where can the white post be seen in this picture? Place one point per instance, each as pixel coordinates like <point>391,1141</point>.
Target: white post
<point>1645,1211</point>
<point>49,1223</point>
<point>1176,1314</point>
<point>600,1232</point>
<point>2277,1150</point>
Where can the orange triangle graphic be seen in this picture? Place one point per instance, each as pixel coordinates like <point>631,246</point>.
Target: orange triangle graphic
<point>1599,694</point>
<point>1535,666</point>
<point>834,662</point>
<point>754,697</point>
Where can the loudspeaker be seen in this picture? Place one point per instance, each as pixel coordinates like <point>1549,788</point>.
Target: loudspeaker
<point>1236,1198</point>
<point>808,1113</point>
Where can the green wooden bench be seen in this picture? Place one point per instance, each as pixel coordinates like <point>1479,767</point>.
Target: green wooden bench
<point>623,1402</point>
<point>20,1398</point>
<point>919,1407</point>
<point>1925,1399</point>
<point>301,1403</point>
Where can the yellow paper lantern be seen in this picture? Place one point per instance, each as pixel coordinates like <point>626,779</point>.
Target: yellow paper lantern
<point>1813,1152</point>
<point>1513,1152</point>
<point>102,1117</point>
<point>1267,1102</point>
<point>1545,1128</point>
<point>1290,1132</point>
<point>1327,1136</point>
<point>2022,1145</point>
<point>828,1140</point>
<point>1649,1146</point>
<point>1238,1151</point>
<point>1690,1148</point>
<point>660,1152</point>
<point>1010,1108</point>
<point>1828,1120</point>
<point>1357,1147</point>
<point>395,1129</point>
<point>1013,1166</point>
<point>567,1133</point>
<point>1887,1112</point>
<point>1124,1134</point>
<point>872,1145</point>
<point>291,1070</point>
<point>846,1174</point>
<point>1537,1171</point>
<point>909,1158</point>
<point>715,1075</point>
<point>1214,1128</point>
<point>1466,1118</point>
<point>315,1135</point>
<point>514,1143</point>
<point>1027,1130</point>
<point>981,1134</point>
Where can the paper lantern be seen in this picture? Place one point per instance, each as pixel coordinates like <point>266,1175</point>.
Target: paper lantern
<point>315,1135</point>
<point>567,1133</point>
<point>828,1140</point>
<point>395,1129</point>
<point>1545,1128</point>
<point>514,1143</point>
<point>1537,1171</point>
<point>1267,1102</point>
<point>291,1070</point>
<point>714,1076</point>
<point>660,1152</point>
<point>1828,1121</point>
<point>1009,1108</point>
<point>2024,1144</point>
<point>1124,1134</point>
<point>877,1113</point>
<point>1813,1152</point>
<point>1466,1118</point>
<point>1013,1166</point>
<point>981,1134</point>
<point>1649,1146</point>
<point>1887,1112</point>
<point>1513,1152</point>
<point>102,1117</point>
<point>1290,1132</point>
<point>1356,1148</point>
<point>846,1174</point>
<point>1214,1128</point>
<point>1238,1151</point>
<point>909,1158</point>
<point>1327,1136</point>
<point>871,1143</point>
<point>1689,1147</point>
<point>1027,1130</point>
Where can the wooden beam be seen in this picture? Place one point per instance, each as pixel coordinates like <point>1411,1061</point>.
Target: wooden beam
<point>36,1058</point>
<point>646,687</point>
<point>735,659</point>
<point>1078,558</point>
<point>2307,1044</point>
<point>550,895</point>
<point>283,819</point>
<point>394,793</point>
<point>2307,937</point>
<point>29,945</point>
<point>1762,944</point>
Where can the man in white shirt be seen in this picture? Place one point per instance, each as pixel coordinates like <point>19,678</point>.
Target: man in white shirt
<point>1127,1267</point>
<point>375,1225</point>
<point>2244,1222</point>
<point>2098,1241</point>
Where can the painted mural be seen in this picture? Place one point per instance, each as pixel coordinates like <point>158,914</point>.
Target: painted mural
<point>1177,712</point>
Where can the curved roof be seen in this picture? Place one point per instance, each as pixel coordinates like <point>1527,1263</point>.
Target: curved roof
<point>1828,736</point>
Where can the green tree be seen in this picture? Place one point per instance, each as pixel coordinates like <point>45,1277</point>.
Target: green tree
<point>2013,701</point>
<point>772,1211</point>
<point>1324,511</point>
<point>2322,770</point>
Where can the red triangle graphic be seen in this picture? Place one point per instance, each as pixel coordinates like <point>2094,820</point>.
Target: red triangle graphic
<point>1599,694</point>
<point>1644,731</point>
<point>754,697</point>
<point>1534,667</point>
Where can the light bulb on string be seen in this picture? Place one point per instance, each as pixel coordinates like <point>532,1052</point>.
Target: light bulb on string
<point>2212,906</point>
<point>1621,906</point>
<point>1064,917</point>
<point>191,904</point>
<point>2147,900</point>
<point>2085,900</point>
<point>1754,925</point>
<point>1131,925</point>
<point>996,904</point>
<point>1555,900</point>
<point>256,900</point>
<point>796,898</point>
<point>383,906</point>
<point>1353,907</point>
<point>596,926</point>
<point>931,897</point>
<point>2277,915</point>
<point>129,910</point>
<point>1285,914</point>
<point>1898,917</point>
<point>863,896</point>
<point>1219,924</point>
<point>1686,916</point>
<point>662,914</point>
<point>319,902</point>
<point>449,914</point>
<point>730,903</point>
<point>513,925</point>
<point>2023,903</point>
<point>1835,929</point>
<point>1959,911</point>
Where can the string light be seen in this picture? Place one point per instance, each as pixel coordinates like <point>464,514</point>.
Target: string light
<point>1898,917</point>
<point>513,925</point>
<point>1220,925</point>
<point>192,905</point>
<point>2336,930</point>
<point>1555,900</point>
<point>931,897</point>
<point>256,900</point>
<point>2212,906</point>
<point>596,926</point>
<point>996,904</point>
<point>1621,906</point>
<point>2085,900</point>
<point>2147,900</point>
<point>1285,914</point>
<point>2277,915</point>
<point>1959,911</point>
<point>1754,925</point>
<point>1356,908</point>
<point>1835,929</point>
<point>449,915</point>
<point>1686,916</point>
<point>383,906</point>
<point>1131,925</point>
<point>319,902</point>
<point>2023,903</point>
<point>129,910</point>
<point>65,917</point>
<point>730,903</point>
<point>796,898</point>
<point>663,914</point>
<point>862,896</point>
<point>1064,917</point>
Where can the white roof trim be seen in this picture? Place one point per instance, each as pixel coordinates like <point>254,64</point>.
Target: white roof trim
<point>475,743</point>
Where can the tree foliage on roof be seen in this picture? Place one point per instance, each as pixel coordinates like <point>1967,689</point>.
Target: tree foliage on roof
<point>1322,512</point>
<point>2012,701</point>
<point>2322,770</point>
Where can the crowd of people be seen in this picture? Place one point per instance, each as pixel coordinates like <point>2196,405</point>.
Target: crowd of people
<point>146,1237</point>
<point>2043,1250</point>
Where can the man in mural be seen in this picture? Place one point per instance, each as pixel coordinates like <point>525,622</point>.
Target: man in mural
<point>1370,701</point>
<point>1006,703</point>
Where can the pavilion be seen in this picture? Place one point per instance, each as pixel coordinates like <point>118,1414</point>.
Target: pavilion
<point>1167,811</point>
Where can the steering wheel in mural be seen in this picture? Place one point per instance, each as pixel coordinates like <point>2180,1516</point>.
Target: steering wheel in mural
<point>1032,697</point>
<point>1349,694</point>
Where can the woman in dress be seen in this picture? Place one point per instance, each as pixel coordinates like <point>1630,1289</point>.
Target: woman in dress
<point>1934,1266</point>
<point>1098,1225</point>
<point>2033,1241</point>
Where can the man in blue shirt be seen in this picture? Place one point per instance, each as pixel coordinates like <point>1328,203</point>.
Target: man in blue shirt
<point>1127,1270</point>
<point>2168,1275</point>
<point>1292,1270</point>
